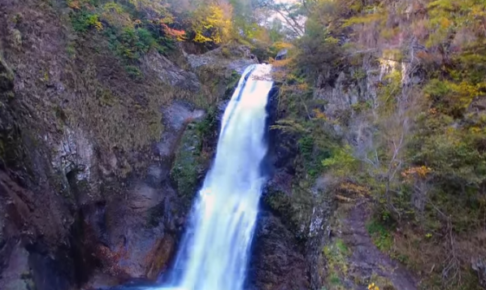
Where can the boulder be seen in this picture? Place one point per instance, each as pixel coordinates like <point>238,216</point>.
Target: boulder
<point>235,58</point>
<point>281,54</point>
<point>277,262</point>
<point>168,72</point>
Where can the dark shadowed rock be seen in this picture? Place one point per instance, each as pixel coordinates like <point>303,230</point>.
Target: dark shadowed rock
<point>479,266</point>
<point>17,265</point>
<point>277,262</point>
<point>281,54</point>
<point>6,76</point>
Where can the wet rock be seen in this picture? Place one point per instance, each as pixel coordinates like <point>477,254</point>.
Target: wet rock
<point>142,226</point>
<point>281,54</point>
<point>6,77</point>
<point>278,258</point>
<point>277,262</point>
<point>221,107</point>
<point>57,269</point>
<point>143,198</point>
<point>188,166</point>
<point>176,116</point>
<point>139,238</point>
<point>17,275</point>
<point>163,253</point>
<point>137,284</point>
<point>156,175</point>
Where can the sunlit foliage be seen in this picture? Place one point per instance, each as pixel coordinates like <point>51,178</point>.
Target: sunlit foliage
<point>212,23</point>
<point>424,158</point>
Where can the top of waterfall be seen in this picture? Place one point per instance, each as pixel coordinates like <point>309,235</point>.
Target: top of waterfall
<point>262,72</point>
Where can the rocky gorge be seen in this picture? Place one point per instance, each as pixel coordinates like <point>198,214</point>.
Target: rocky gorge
<point>79,207</point>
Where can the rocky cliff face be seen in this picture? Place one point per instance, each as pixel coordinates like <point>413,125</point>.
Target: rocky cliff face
<point>287,251</point>
<point>98,168</point>
<point>313,232</point>
<point>94,175</point>
<point>351,257</point>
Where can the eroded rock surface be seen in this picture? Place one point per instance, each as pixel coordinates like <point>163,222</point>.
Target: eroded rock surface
<point>86,153</point>
<point>353,258</point>
<point>277,261</point>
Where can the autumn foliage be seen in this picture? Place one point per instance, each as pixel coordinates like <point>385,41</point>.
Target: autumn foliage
<point>418,145</point>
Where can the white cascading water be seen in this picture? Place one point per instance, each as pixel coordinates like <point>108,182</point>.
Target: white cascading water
<point>214,251</point>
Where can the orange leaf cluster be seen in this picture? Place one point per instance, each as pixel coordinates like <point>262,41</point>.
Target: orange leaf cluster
<point>419,171</point>
<point>354,189</point>
<point>319,114</point>
<point>281,62</point>
<point>303,87</point>
<point>74,5</point>
<point>179,35</point>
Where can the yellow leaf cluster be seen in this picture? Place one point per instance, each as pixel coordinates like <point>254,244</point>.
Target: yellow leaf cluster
<point>372,286</point>
<point>212,23</point>
<point>354,189</point>
<point>478,11</point>
<point>476,130</point>
<point>445,22</point>
<point>74,5</point>
<point>282,45</point>
<point>420,171</point>
<point>98,25</point>
<point>465,92</point>
<point>281,62</point>
<point>114,14</point>
<point>363,19</point>
<point>343,198</point>
<point>320,115</point>
<point>303,87</point>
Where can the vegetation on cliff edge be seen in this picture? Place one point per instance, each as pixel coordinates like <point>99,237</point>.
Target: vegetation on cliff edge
<point>413,140</point>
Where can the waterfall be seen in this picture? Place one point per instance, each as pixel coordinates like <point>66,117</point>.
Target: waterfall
<point>214,251</point>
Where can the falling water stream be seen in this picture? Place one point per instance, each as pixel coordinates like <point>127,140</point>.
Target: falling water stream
<point>215,249</point>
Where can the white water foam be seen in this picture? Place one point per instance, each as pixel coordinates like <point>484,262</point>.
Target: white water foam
<point>214,252</point>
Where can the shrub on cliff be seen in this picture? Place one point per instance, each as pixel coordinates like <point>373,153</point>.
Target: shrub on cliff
<point>418,142</point>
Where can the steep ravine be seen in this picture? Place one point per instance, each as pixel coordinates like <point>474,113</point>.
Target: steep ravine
<point>98,169</point>
<point>308,238</point>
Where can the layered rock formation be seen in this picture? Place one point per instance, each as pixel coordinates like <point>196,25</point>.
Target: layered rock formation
<point>93,163</point>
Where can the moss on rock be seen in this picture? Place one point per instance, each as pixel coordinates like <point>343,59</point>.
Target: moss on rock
<point>188,163</point>
<point>8,135</point>
<point>6,77</point>
<point>231,83</point>
<point>279,202</point>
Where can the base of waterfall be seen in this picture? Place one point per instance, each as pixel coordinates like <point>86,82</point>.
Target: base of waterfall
<point>144,286</point>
